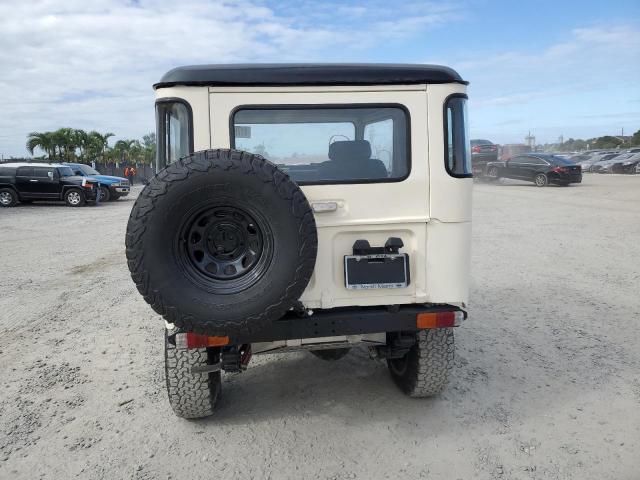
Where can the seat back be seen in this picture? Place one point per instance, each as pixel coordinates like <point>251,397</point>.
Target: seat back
<point>351,160</point>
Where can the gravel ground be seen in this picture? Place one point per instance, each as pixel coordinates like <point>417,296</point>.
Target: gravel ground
<point>546,382</point>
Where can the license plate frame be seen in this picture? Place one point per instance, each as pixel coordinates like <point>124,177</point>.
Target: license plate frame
<point>376,271</point>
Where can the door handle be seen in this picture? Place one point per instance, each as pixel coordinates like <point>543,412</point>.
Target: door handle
<point>33,180</point>
<point>322,207</point>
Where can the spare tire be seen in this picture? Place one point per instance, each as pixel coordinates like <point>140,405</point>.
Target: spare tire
<point>221,242</point>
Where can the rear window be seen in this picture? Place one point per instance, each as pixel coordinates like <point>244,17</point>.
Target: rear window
<point>456,130</point>
<point>174,131</point>
<point>355,144</point>
<point>560,161</point>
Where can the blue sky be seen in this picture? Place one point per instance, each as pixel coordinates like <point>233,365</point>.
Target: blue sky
<point>555,68</point>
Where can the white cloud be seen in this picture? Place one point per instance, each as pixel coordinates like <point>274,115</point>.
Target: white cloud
<point>592,58</point>
<point>578,86</point>
<point>91,64</point>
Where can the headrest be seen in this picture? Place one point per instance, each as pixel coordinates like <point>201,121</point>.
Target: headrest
<point>350,150</point>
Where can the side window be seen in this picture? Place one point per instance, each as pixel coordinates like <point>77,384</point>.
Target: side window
<point>457,148</point>
<point>518,160</point>
<point>24,172</point>
<point>380,137</point>
<point>43,172</point>
<point>174,131</point>
<point>536,161</point>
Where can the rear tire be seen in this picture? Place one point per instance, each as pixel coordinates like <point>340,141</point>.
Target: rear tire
<point>74,197</point>
<point>191,395</point>
<point>331,353</point>
<point>8,198</point>
<point>424,370</point>
<point>541,180</point>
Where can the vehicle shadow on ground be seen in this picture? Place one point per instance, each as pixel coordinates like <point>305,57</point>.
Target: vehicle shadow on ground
<point>354,388</point>
<point>298,386</point>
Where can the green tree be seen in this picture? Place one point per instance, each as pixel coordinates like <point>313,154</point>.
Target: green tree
<point>606,142</point>
<point>42,140</point>
<point>149,144</point>
<point>98,145</point>
<point>635,139</point>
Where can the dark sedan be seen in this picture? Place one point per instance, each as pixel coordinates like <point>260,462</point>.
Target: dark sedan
<point>539,168</point>
<point>482,152</point>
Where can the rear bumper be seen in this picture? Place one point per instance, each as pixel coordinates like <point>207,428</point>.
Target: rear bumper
<point>566,178</point>
<point>343,321</point>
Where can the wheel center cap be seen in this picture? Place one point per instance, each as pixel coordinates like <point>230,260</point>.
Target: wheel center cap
<point>224,239</point>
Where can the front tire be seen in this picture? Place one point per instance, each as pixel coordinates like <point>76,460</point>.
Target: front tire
<point>74,198</point>
<point>8,198</point>
<point>541,180</point>
<point>191,395</point>
<point>105,194</point>
<point>424,370</point>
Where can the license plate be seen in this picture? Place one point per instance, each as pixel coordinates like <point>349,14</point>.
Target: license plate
<point>366,272</point>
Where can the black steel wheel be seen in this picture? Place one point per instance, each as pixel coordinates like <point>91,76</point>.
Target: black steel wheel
<point>226,248</point>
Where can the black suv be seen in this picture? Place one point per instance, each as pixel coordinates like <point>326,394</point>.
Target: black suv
<point>25,182</point>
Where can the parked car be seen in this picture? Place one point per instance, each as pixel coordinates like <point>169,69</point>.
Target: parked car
<point>111,188</point>
<point>580,157</point>
<point>26,182</point>
<point>588,163</point>
<point>540,168</point>
<point>606,166</point>
<point>601,160</point>
<point>626,165</point>
<point>482,152</point>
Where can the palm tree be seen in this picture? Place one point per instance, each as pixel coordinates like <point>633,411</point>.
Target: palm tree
<point>64,139</point>
<point>98,144</point>
<point>42,140</point>
<point>124,148</point>
<point>81,139</point>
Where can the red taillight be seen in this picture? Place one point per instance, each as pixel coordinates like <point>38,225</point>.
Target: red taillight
<point>560,170</point>
<point>439,319</point>
<point>193,340</point>
<point>475,149</point>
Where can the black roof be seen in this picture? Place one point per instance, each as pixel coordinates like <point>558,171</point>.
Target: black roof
<point>301,74</point>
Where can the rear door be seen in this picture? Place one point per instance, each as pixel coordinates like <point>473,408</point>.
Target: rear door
<point>533,166</point>
<point>353,155</point>
<point>45,182</point>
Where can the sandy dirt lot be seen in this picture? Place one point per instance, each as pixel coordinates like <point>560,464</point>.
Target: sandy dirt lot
<point>546,383</point>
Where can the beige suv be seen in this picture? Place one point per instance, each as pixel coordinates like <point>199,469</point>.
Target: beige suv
<point>305,206</point>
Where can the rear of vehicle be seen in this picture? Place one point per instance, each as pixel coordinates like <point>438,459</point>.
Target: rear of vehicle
<point>389,217</point>
<point>482,152</point>
<point>562,171</point>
